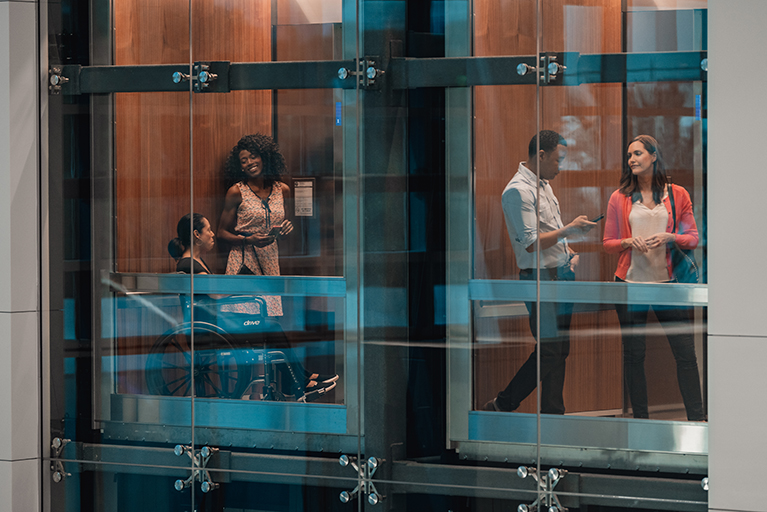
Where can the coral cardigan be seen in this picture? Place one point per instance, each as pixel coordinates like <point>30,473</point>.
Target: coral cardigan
<point>617,227</point>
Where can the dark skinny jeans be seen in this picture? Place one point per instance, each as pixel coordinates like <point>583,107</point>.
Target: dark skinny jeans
<point>554,346</point>
<point>677,324</point>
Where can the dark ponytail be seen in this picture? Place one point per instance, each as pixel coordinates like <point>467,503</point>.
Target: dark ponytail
<point>183,241</point>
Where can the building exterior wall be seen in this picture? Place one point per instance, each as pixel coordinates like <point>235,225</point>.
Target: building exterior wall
<point>737,332</point>
<point>19,266</point>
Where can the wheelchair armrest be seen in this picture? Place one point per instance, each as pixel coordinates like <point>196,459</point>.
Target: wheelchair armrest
<point>231,299</point>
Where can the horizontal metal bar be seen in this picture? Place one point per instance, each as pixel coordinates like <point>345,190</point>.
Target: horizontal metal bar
<point>589,292</point>
<point>408,73</point>
<point>298,286</point>
<point>633,491</point>
<point>632,67</point>
<point>241,76</point>
<point>573,490</point>
<point>243,414</point>
<point>109,79</point>
<point>637,492</point>
<point>457,480</point>
<point>629,434</point>
<point>290,75</point>
<point>459,72</point>
<point>580,69</point>
<point>238,437</point>
<point>257,467</point>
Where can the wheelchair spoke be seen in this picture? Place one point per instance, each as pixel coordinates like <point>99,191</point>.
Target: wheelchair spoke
<point>203,360</point>
<point>188,381</point>
<point>186,354</point>
<point>184,378</point>
<point>210,382</point>
<point>171,365</point>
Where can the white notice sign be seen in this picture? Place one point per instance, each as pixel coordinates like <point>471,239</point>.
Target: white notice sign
<point>303,193</point>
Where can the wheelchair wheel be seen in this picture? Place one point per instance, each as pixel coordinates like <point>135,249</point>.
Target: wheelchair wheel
<point>221,369</point>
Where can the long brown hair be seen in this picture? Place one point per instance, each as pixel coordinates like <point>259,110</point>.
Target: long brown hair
<point>630,183</point>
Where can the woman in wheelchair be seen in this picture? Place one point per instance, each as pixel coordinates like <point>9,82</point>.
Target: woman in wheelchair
<point>297,383</point>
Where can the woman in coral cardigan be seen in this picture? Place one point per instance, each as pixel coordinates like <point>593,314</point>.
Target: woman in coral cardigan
<point>639,227</point>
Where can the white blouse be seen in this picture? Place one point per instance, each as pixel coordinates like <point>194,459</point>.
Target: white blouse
<point>651,266</point>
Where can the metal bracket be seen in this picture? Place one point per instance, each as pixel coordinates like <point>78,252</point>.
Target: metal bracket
<point>55,80</point>
<point>551,69</point>
<point>365,472</point>
<point>546,483</point>
<point>199,473</point>
<point>206,76</point>
<point>57,466</point>
<point>367,72</point>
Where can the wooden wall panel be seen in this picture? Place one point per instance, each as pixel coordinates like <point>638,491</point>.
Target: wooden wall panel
<point>305,122</point>
<point>152,131</point>
<point>590,117</point>
<point>594,373</point>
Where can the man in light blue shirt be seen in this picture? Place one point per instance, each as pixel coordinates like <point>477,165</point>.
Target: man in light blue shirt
<point>534,222</point>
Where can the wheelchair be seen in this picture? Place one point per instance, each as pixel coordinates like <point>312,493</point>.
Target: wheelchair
<point>230,353</point>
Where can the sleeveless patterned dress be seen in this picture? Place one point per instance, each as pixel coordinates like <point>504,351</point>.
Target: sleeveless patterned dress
<point>257,216</point>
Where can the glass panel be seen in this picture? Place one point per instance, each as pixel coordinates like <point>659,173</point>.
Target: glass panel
<point>113,487</point>
<point>274,178</point>
<point>119,168</point>
<point>586,407</point>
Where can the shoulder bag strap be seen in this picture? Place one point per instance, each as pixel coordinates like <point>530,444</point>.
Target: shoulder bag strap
<point>673,208</point>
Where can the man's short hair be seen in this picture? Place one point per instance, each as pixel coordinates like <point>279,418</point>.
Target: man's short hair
<point>549,142</point>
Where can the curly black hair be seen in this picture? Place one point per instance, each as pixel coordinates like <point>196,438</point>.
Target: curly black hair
<point>263,146</point>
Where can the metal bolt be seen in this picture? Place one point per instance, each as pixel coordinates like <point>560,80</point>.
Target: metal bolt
<point>179,485</point>
<point>179,77</point>
<point>523,69</point>
<point>345,497</point>
<point>206,77</point>
<point>704,484</point>
<point>555,67</point>
<point>522,472</point>
<point>704,64</point>
<point>208,486</point>
<point>374,498</point>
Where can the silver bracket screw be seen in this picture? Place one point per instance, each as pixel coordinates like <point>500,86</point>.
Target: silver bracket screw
<point>59,473</point>
<point>365,473</point>
<point>546,483</point>
<point>55,81</point>
<point>200,472</point>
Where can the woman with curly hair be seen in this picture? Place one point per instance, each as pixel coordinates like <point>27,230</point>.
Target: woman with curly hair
<point>252,221</point>
<point>254,210</point>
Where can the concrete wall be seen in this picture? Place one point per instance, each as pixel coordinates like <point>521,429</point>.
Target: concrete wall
<point>737,175</point>
<point>19,253</point>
